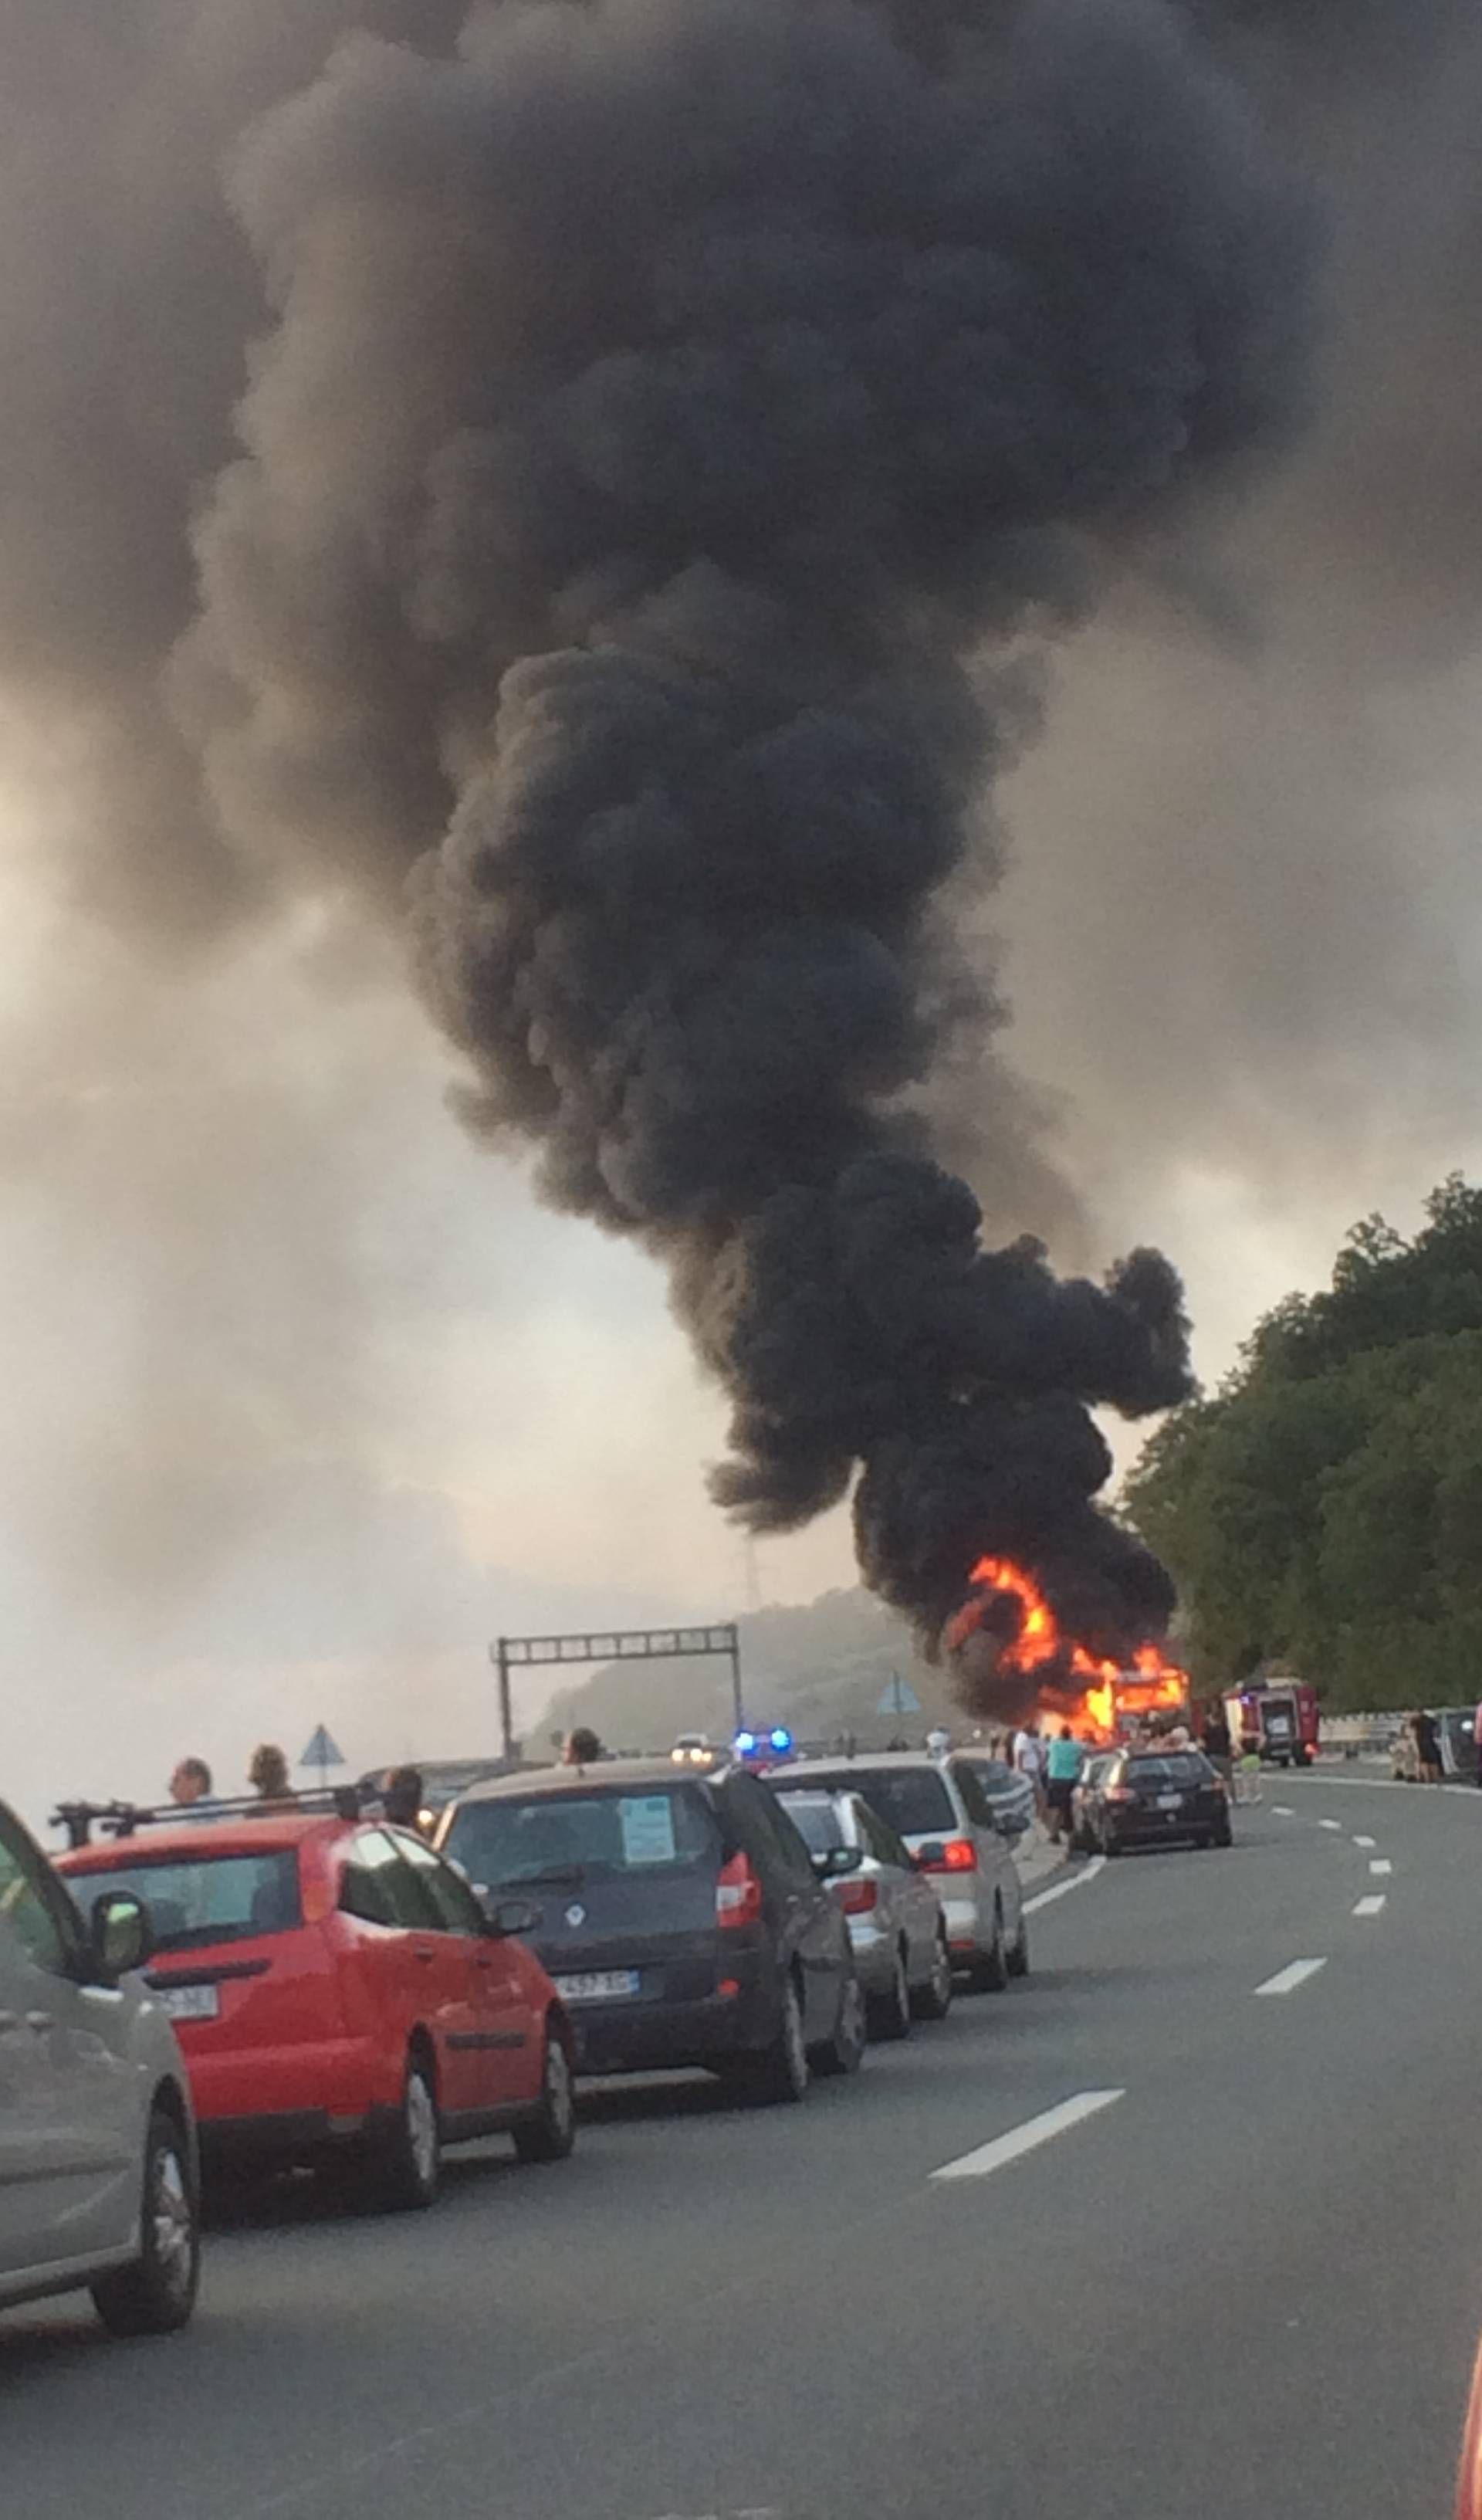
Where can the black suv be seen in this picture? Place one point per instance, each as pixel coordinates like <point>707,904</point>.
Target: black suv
<point>1155,1797</point>
<point>681,1915</point>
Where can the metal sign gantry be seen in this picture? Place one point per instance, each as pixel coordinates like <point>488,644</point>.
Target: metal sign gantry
<point>613,1645</point>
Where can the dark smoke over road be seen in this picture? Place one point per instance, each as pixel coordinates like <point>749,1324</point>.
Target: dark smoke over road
<point>663,406</point>
<point>674,428</point>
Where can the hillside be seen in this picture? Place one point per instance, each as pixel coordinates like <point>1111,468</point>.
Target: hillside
<point>819,1669</point>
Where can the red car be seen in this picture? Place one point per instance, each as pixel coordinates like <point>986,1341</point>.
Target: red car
<point>336,1987</point>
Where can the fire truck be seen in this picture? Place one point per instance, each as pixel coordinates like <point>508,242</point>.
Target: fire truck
<point>1278,1719</point>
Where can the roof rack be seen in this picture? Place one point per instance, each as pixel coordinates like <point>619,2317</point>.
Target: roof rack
<point>124,1819</point>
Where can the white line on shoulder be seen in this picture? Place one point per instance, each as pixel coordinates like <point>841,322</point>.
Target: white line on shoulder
<point>1062,1889</point>
<point>1027,2138</point>
<point>1287,1979</point>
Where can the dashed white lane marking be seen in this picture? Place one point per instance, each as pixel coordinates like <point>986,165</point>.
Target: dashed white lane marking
<point>1062,1889</point>
<point>1284,1811</point>
<point>1330,1824</point>
<point>1380,1864</point>
<point>1370,1907</point>
<point>1027,2137</point>
<point>1366,1841</point>
<point>1294,1974</point>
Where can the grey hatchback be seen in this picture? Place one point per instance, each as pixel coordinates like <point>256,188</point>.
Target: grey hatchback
<point>894,1916</point>
<point>98,2177</point>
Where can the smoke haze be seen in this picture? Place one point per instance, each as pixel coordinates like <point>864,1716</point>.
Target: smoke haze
<point>250,653</point>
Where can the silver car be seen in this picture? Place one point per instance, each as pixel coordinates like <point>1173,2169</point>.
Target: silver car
<point>98,2173</point>
<point>940,1808</point>
<point>893,1913</point>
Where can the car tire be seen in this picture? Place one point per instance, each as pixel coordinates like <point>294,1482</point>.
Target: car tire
<point>890,2015</point>
<point>1019,1953</point>
<point>156,2294</point>
<point>1109,1846</point>
<point>408,2172</point>
<point>551,2133</point>
<point>1223,1837</point>
<point>844,2051</point>
<point>990,1973</point>
<point>781,2072</point>
<point>934,2000</point>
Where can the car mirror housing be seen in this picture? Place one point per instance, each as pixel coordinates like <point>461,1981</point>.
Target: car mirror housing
<point>120,1937</point>
<point>836,1860</point>
<point>508,1916</point>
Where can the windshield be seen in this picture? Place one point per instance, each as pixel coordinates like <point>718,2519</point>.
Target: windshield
<point>566,1836</point>
<point>914,1800</point>
<point>195,1899</point>
<point>817,1822</point>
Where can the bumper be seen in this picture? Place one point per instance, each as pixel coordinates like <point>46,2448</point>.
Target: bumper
<point>635,2038</point>
<point>282,2136</point>
<point>873,1948</point>
<point>313,2081</point>
<point>1167,1828</point>
<point>966,1932</point>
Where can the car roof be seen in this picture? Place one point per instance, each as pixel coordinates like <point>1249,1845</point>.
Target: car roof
<point>203,1837</point>
<point>602,1774</point>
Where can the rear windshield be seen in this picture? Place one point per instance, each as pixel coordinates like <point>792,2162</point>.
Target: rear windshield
<point>195,1899</point>
<point>914,1800</point>
<point>565,1837</point>
<point>816,1821</point>
<point>1181,1767</point>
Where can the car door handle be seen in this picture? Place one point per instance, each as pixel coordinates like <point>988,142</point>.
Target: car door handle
<point>39,2022</point>
<point>424,1955</point>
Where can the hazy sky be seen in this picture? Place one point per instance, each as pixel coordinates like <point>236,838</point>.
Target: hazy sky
<point>305,1398</point>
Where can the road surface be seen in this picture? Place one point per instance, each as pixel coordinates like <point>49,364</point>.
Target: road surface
<point>1248,2285</point>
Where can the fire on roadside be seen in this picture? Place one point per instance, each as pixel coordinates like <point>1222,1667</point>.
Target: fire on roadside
<point>1095,1696</point>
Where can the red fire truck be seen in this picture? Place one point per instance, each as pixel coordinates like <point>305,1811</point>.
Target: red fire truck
<point>1278,1719</point>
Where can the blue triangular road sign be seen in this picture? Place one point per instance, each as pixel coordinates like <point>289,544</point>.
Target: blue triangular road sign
<point>899,1697</point>
<point>323,1751</point>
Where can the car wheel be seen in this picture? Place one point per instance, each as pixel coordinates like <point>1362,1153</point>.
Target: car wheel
<point>890,2014</point>
<point>1019,1955</point>
<point>551,2133</point>
<point>934,2000</point>
<point>1224,1837</point>
<point>158,2292</point>
<point>1110,1845</point>
<point>781,2072</point>
<point>844,2053</point>
<point>991,1971</point>
<point>410,2170</point>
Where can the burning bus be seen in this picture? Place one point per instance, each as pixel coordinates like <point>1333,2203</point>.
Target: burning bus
<point>1049,1675</point>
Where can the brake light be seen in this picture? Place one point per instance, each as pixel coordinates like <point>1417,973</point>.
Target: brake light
<point>1121,1794</point>
<point>857,1896</point>
<point>954,1855</point>
<point>738,1894</point>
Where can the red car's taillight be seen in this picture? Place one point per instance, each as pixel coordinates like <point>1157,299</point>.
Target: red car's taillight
<point>952,1855</point>
<point>738,1894</point>
<point>857,1896</point>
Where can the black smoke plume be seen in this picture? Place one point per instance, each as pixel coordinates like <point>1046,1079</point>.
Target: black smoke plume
<point>670,406</point>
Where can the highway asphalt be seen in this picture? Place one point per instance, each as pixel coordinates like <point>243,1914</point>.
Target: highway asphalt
<point>1248,2288</point>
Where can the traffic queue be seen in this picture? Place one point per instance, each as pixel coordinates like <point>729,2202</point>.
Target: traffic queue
<point>346,1983</point>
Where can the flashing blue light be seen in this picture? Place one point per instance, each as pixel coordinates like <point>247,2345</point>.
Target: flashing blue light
<point>780,1737</point>
<point>744,1742</point>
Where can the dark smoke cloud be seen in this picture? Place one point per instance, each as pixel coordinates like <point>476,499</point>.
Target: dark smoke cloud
<point>660,403</point>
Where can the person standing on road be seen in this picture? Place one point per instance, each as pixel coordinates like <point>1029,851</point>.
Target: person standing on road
<point>1216,1739</point>
<point>581,1747</point>
<point>401,1800</point>
<point>1427,1747</point>
<point>268,1777</point>
<point>1029,1760</point>
<point>191,1789</point>
<point>1062,1765</point>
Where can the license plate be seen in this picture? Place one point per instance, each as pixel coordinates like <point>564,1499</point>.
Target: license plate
<point>189,2003</point>
<point>1170,1802</point>
<point>598,1986</point>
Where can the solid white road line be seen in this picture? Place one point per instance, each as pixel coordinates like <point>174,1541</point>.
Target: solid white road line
<point>1062,1889</point>
<point>1284,1811</point>
<point>1330,1824</point>
<point>1027,2138</point>
<point>1366,1841</point>
<point>1380,1864</point>
<point>1370,1907</point>
<point>1294,1974</point>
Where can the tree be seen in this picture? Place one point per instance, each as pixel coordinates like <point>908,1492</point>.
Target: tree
<point>1324,1509</point>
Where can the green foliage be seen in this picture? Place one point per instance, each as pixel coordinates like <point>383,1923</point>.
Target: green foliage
<point>1324,1512</point>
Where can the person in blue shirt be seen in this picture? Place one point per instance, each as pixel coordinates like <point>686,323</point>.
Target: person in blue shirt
<point>1062,1765</point>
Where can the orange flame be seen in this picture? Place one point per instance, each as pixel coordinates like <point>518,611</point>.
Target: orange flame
<point>1109,1692</point>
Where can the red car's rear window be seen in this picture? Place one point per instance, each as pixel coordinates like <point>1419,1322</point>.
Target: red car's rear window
<point>194,1900</point>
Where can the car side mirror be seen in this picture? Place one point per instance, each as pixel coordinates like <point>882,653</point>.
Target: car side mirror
<point>836,1860</point>
<point>508,1916</point>
<point>929,1858</point>
<point>120,1937</point>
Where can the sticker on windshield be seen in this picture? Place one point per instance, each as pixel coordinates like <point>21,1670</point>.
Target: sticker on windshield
<point>647,1822</point>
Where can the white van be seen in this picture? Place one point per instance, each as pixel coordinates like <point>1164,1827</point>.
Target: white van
<point>99,2183</point>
